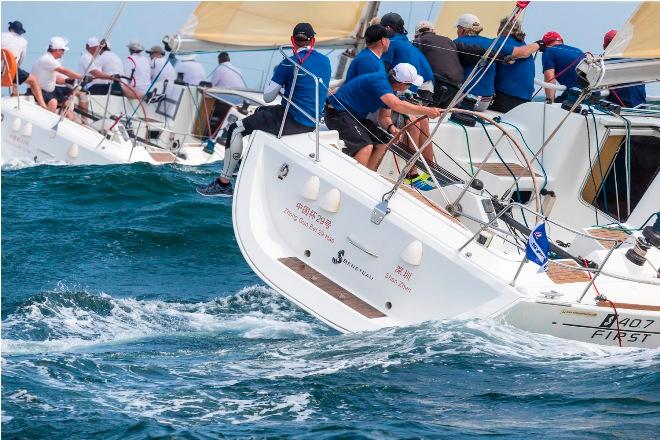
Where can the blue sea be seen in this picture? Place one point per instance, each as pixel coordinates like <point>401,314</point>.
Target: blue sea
<point>128,312</point>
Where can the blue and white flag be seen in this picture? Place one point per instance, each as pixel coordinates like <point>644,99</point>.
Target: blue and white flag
<point>538,246</point>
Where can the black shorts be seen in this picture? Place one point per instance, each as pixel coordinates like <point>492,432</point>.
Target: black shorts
<point>356,134</point>
<point>503,102</point>
<point>102,89</point>
<point>268,118</point>
<point>48,96</point>
<point>22,75</point>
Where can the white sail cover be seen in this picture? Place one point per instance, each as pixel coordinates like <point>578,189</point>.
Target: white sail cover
<point>640,36</point>
<point>257,25</point>
<point>489,12</point>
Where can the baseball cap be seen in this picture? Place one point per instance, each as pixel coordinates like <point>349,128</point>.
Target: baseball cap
<point>93,42</point>
<point>376,32</point>
<point>469,21</point>
<point>609,36</point>
<point>156,49</point>
<point>57,43</point>
<point>135,45</point>
<point>424,26</point>
<point>407,74</point>
<point>105,43</point>
<point>17,27</point>
<point>303,29</point>
<point>394,20</point>
<point>551,37</point>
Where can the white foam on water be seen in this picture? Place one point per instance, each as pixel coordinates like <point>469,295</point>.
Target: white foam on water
<point>74,321</point>
<point>19,164</point>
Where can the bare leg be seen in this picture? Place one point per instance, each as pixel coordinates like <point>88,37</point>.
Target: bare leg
<point>376,157</point>
<point>131,93</point>
<point>364,155</point>
<point>52,105</point>
<point>32,82</point>
<point>424,131</point>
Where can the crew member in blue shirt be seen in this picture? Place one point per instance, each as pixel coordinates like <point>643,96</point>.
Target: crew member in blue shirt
<point>625,96</point>
<point>559,62</point>
<point>377,38</point>
<point>401,50</point>
<point>514,83</point>
<point>269,118</point>
<point>468,28</point>
<point>348,108</point>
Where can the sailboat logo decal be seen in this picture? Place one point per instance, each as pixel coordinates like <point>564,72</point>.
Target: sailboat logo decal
<point>339,258</point>
<point>608,321</point>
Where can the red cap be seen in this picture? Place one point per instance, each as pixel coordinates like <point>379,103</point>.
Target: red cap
<point>551,37</point>
<point>609,36</point>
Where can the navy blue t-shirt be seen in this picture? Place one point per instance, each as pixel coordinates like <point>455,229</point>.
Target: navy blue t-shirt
<point>361,96</point>
<point>486,85</point>
<point>631,96</point>
<point>365,62</point>
<point>515,79</point>
<point>303,94</point>
<point>401,50</point>
<point>560,57</point>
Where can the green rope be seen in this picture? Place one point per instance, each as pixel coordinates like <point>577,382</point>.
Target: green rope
<point>545,175</point>
<point>467,142</point>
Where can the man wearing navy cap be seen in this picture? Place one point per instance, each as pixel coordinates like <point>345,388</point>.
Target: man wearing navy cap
<point>369,60</point>
<point>269,118</point>
<point>17,45</point>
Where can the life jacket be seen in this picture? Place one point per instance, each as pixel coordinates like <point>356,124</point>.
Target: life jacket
<point>9,67</point>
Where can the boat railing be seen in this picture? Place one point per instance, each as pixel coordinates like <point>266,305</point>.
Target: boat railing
<point>515,205</point>
<point>289,100</point>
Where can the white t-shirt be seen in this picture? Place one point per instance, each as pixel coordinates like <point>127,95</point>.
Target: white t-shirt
<point>44,70</point>
<point>193,71</point>
<point>110,63</point>
<point>168,72</point>
<point>16,44</point>
<point>227,75</point>
<point>140,68</point>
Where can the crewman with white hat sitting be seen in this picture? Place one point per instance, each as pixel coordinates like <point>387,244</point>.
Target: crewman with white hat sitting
<point>192,71</point>
<point>137,67</point>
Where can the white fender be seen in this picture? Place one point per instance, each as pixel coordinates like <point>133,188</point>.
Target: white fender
<point>310,189</point>
<point>412,254</point>
<point>330,201</point>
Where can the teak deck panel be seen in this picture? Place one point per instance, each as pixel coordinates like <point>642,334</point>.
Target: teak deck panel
<point>563,275</point>
<point>499,169</point>
<point>629,306</point>
<point>416,194</point>
<point>331,288</point>
<point>163,157</point>
<point>608,233</point>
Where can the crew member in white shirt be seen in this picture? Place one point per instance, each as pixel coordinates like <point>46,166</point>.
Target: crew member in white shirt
<point>137,67</point>
<point>193,72</point>
<point>109,67</point>
<point>46,68</point>
<point>160,67</point>
<point>227,75</point>
<point>17,45</point>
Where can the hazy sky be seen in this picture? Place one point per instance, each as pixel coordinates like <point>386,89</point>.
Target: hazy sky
<point>582,24</point>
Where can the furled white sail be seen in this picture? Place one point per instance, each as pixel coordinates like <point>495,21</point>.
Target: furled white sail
<point>640,35</point>
<point>490,13</point>
<point>248,25</point>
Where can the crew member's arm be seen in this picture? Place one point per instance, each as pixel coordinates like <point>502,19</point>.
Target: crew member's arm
<point>549,77</point>
<point>281,74</point>
<point>529,49</point>
<point>408,108</point>
<point>470,54</point>
<point>271,90</point>
<point>68,72</point>
<point>385,120</point>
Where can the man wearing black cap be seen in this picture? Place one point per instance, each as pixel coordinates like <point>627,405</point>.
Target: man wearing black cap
<point>17,45</point>
<point>269,118</point>
<point>369,60</point>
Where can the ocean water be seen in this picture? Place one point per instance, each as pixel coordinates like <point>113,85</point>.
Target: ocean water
<point>129,312</point>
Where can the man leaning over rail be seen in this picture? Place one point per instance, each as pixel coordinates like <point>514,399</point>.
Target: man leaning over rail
<point>348,108</point>
<point>269,118</point>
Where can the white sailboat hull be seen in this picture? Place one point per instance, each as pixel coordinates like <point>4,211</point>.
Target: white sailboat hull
<point>327,256</point>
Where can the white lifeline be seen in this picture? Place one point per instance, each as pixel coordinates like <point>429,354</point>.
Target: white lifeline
<point>306,228</point>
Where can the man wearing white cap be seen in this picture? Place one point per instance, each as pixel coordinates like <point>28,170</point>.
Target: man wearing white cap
<point>46,68</point>
<point>468,28</point>
<point>193,72</point>
<point>346,111</point>
<point>161,68</point>
<point>108,68</point>
<point>137,67</point>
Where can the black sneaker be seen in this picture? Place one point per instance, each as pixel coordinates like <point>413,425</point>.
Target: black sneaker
<point>216,189</point>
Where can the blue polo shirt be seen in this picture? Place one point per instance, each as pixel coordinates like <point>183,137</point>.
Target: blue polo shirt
<point>303,94</point>
<point>486,85</point>
<point>631,96</point>
<point>401,50</point>
<point>515,79</point>
<point>361,96</point>
<point>560,57</point>
<point>365,62</point>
